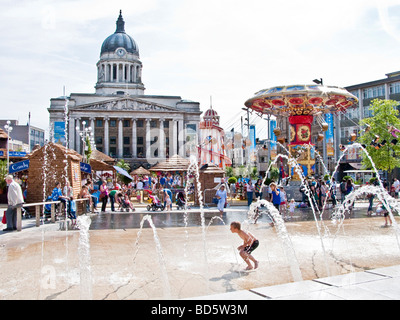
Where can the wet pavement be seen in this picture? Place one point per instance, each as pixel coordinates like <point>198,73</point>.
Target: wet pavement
<point>180,260</point>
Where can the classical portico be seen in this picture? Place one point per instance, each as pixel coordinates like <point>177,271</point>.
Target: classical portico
<point>126,123</point>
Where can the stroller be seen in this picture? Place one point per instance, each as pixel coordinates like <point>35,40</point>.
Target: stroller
<point>155,204</point>
<point>180,200</point>
<point>123,205</point>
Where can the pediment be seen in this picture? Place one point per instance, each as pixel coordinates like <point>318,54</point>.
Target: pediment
<point>124,104</point>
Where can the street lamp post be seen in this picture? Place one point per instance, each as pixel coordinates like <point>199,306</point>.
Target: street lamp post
<point>324,153</point>
<point>86,134</point>
<point>8,129</point>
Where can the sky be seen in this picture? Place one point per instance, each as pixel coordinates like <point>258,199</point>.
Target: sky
<point>211,50</point>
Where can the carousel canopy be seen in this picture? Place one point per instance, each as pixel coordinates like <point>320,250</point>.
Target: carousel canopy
<point>301,100</point>
<point>175,163</point>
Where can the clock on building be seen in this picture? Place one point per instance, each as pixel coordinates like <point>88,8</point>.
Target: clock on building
<point>120,52</point>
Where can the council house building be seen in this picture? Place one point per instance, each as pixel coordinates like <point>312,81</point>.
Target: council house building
<point>126,123</point>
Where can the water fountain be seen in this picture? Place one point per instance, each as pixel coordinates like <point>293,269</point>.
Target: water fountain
<point>106,263</point>
<point>161,259</point>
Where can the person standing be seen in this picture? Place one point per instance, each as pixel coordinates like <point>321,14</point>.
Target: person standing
<point>221,196</point>
<point>396,185</point>
<point>283,204</point>
<point>276,197</point>
<point>258,189</point>
<point>104,195</point>
<point>250,191</point>
<point>15,200</point>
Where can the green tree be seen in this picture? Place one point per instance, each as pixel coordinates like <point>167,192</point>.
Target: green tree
<point>3,174</point>
<point>385,155</point>
<point>229,171</point>
<point>122,164</point>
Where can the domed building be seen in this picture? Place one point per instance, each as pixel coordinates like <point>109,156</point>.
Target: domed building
<point>126,123</point>
<point>212,145</point>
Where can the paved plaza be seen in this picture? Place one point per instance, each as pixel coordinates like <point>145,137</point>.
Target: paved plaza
<point>178,259</point>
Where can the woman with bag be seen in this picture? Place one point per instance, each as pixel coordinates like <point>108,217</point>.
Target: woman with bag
<point>103,195</point>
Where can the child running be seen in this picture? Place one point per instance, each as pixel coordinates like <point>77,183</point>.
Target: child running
<point>250,243</point>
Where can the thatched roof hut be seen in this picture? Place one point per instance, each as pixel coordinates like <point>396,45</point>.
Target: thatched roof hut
<point>98,155</point>
<point>140,171</point>
<point>175,163</point>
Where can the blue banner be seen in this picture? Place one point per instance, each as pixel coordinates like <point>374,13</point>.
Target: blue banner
<point>17,154</point>
<point>59,132</point>
<point>85,167</point>
<point>252,137</point>
<point>273,138</point>
<point>1,153</point>
<point>19,166</point>
<point>330,151</point>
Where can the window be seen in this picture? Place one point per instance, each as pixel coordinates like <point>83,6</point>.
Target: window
<point>374,92</point>
<point>113,152</point>
<point>139,123</point>
<point>355,93</point>
<point>113,140</point>
<point>191,127</point>
<point>113,123</point>
<point>367,113</point>
<point>99,123</point>
<point>127,152</point>
<point>99,140</point>
<point>153,124</point>
<point>394,88</point>
<point>127,123</point>
<point>140,152</point>
<point>139,140</point>
<point>127,140</point>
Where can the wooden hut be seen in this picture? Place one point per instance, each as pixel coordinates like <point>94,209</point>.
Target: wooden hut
<point>49,164</point>
<point>210,176</point>
<point>175,163</point>
<point>140,171</point>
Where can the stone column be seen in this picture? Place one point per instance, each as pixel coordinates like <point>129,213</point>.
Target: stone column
<point>120,138</point>
<point>134,139</point>
<point>78,137</point>
<point>161,153</point>
<point>106,136</point>
<point>71,133</point>
<point>128,70</point>
<point>92,123</point>
<point>181,138</point>
<point>148,137</point>
<point>173,141</point>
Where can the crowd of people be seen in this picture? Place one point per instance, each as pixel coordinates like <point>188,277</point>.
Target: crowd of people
<point>316,193</point>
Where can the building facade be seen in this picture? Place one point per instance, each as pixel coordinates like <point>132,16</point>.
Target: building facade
<point>387,88</point>
<point>212,141</point>
<point>24,136</point>
<point>124,121</point>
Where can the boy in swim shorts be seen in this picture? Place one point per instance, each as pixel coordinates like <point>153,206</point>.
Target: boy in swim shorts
<point>250,243</point>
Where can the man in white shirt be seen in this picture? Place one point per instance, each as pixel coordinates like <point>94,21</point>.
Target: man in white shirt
<point>15,200</point>
<point>396,185</point>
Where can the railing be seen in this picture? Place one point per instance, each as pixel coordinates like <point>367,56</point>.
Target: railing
<point>37,211</point>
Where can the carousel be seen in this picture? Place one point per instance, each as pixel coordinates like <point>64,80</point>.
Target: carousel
<point>301,104</point>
